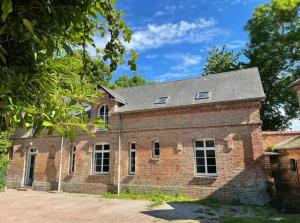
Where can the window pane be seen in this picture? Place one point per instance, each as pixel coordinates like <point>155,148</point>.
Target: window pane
<point>98,168</point>
<point>106,155</point>
<point>156,145</point>
<point>210,153</point>
<point>200,161</point>
<point>105,168</point>
<point>199,144</point>
<point>200,169</point>
<point>105,162</point>
<point>132,146</point>
<point>106,147</point>
<point>98,147</point>
<point>132,169</point>
<point>199,153</point>
<point>211,161</point>
<point>156,152</point>
<point>210,143</point>
<point>211,169</point>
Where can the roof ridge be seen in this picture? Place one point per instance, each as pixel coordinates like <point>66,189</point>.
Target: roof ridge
<point>186,79</point>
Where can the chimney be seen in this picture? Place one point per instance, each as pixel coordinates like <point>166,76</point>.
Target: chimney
<point>296,86</point>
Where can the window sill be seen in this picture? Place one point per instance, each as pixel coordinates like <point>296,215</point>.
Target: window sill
<point>155,158</point>
<point>206,176</point>
<point>100,174</point>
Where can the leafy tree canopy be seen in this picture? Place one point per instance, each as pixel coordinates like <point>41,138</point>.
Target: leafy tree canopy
<point>221,60</point>
<point>44,84</point>
<point>274,48</point>
<point>126,81</point>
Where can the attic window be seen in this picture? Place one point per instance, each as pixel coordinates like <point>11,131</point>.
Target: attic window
<point>202,95</point>
<point>162,100</point>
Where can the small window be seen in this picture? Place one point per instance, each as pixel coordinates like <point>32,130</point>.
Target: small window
<point>11,153</point>
<point>293,165</point>
<point>202,95</point>
<point>132,158</point>
<point>72,160</point>
<point>103,114</point>
<point>101,159</point>
<point>155,150</point>
<point>205,157</point>
<point>162,100</point>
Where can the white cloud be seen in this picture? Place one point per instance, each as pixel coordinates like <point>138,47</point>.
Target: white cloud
<point>151,56</point>
<point>170,76</point>
<point>184,60</point>
<point>236,44</point>
<point>154,35</point>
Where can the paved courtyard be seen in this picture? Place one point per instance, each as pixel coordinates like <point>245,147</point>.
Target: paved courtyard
<point>43,207</point>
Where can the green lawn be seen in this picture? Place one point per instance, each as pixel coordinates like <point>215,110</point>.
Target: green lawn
<point>155,198</point>
<point>258,220</point>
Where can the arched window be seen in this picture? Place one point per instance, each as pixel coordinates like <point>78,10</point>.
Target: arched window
<point>103,113</point>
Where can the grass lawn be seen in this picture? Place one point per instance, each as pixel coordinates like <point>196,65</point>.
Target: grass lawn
<point>259,220</point>
<point>155,198</point>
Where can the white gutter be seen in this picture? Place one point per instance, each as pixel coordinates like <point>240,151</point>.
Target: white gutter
<point>119,156</point>
<point>60,164</point>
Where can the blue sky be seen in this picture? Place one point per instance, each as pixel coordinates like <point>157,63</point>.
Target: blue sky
<point>172,37</point>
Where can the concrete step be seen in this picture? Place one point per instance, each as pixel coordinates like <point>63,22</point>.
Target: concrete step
<point>25,188</point>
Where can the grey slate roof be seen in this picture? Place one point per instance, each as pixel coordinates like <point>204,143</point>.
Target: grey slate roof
<point>224,87</point>
<point>114,94</point>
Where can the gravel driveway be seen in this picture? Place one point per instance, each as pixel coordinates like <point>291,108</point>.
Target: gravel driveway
<point>43,207</point>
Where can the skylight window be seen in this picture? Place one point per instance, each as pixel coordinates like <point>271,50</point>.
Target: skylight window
<point>162,100</point>
<point>202,95</point>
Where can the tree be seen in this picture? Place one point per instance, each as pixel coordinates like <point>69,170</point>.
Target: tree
<point>126,81</point>
<point>221,60</point>
<point>36,38</point>
<point>274,31</point>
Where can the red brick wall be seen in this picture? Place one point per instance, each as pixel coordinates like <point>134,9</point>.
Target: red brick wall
<point>234,126</point>
<point>274,137</point>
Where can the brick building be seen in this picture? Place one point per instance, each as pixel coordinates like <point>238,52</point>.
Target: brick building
<point>200,137</point>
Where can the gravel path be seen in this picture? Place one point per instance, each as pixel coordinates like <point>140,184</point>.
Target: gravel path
<point>43,207</point>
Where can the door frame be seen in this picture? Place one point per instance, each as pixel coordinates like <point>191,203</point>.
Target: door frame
<point>31,152</point>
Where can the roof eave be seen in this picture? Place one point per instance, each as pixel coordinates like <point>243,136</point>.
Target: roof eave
<point>189,105</point>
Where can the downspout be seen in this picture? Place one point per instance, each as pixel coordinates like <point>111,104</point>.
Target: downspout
<point>60,164</point>
<point>119,155</point>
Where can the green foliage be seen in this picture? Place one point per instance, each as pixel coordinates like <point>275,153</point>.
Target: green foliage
<point>126,81</point>
<point>274,31</point>
<point>221,60</point>
<point>272,148</point>
<point>44,84</point>
<point>155,197</point>
<point>230,219</point>
<point>5,144</point>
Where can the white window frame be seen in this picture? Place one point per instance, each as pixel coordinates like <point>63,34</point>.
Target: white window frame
<point>130,172</point>
<point>94,158</point>
<point>153,149</point>
<point>72,160</point>
<point>104,117</point>
<point>205,157</point>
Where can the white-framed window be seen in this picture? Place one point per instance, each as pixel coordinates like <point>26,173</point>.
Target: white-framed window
<point>103,114</point>
<point>155,149</point>
<point>72,160</point>
<point>101,159</point>
<point>131,169</point>
<point>205,157</point>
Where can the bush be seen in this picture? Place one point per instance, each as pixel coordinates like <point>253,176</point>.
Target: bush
<point>5,143</point>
